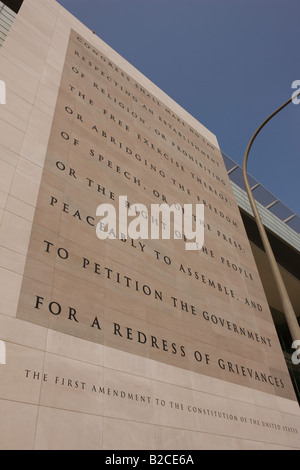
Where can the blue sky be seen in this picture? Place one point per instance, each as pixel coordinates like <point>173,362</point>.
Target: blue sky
<point>229,63</point>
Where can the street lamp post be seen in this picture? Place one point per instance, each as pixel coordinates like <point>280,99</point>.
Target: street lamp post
<point>285,300</point>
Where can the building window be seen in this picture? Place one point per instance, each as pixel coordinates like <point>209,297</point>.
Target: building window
<point>8,12</point>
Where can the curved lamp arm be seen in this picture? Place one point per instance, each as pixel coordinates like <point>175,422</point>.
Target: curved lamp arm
<point>285,300</point>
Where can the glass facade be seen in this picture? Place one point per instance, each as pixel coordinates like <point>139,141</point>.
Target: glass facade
<point>286,342</point>
<point>264,197</point>
<point>7,17</point>
<point>280,221</point>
